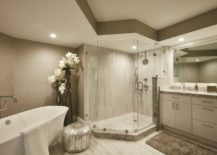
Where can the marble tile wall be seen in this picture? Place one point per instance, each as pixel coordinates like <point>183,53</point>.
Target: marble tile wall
<point>159,65</point>
<point>108,82</point>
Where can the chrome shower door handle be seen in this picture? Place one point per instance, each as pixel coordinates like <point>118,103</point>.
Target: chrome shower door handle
<point>140,86</point>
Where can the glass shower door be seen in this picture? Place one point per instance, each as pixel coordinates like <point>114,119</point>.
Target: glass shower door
<point>143,63</point>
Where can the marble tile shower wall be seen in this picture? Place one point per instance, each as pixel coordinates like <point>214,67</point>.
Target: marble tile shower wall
<point>109,84</point>
<point>161,64</point>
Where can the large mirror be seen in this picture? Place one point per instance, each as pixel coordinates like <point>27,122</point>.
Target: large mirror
<point>196,64</point>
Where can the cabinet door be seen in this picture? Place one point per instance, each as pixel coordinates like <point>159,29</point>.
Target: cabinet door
<point>183,117</point>
<point>168,113</point>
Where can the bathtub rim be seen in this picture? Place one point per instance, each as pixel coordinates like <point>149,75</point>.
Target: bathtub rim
<point>16,136</point>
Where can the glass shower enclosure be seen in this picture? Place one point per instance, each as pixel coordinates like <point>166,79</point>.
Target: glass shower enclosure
<point>118,85</point>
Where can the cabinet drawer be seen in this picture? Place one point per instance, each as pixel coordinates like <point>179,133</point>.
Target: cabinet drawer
<point>177,98</point>
<point>204,101</point>
<point>205,113</point>
<point>205,130</point>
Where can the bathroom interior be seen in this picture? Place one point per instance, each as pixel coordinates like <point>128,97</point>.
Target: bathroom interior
<point>107,82</point>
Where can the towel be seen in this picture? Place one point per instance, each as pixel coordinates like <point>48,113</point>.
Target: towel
<point>36,139</point>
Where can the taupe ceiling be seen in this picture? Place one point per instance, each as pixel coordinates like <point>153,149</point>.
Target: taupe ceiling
<point>210,46</point>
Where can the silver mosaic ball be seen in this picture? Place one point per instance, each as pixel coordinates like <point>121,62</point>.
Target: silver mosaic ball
<point>76,137</point>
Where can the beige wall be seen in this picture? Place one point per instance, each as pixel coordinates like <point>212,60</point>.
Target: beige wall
<point>203,72</point>
<point>208,71</point>
<point>187,72</point>
<point>24,68</point>
<point>6,65</point>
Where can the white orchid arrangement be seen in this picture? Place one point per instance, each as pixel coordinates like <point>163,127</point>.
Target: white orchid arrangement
<point>68,62</point>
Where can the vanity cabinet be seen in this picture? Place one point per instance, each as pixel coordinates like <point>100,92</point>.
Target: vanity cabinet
<point>194,114</point>
<point>176,111</point>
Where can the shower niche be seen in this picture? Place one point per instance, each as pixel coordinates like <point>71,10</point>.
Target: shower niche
<point>115,86</point>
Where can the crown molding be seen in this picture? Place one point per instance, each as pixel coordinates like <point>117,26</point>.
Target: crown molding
<point>201,21</point>
<point>134,26</point>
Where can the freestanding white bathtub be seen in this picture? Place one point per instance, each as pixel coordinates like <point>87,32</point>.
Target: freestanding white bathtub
<point>11,141</point>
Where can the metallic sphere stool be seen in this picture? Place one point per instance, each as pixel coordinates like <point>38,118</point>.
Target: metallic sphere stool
<point>76,137</point>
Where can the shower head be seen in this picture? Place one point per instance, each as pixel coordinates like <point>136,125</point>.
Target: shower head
<point>145,61</point>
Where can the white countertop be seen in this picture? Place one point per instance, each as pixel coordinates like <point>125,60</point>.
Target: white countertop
<point>188,92</point>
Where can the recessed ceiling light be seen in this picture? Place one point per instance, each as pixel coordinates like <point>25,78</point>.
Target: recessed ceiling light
<point>134,47</point>
<point>197,60</point>
<point>181,39</point>
<point>53,35</point>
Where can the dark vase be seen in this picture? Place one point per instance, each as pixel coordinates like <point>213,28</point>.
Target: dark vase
<point>72,112</point>
<point>59,97</point>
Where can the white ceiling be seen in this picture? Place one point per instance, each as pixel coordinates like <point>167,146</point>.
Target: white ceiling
<point>155,13</point>
<point>209,46</point>
<point>36,19</point>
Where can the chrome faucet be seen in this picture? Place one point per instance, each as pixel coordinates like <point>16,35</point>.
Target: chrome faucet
<point>13,97</point>
<point>5,106</point>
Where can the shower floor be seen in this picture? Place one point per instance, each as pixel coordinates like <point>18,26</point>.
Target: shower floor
<point>124,122</point>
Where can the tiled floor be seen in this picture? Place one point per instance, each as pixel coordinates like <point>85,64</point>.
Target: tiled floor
<point>114,147</point>
<point>125,122</point>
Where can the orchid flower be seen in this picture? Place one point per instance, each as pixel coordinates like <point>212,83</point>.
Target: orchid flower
<point>62,88</point>
<point>52,79</point>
